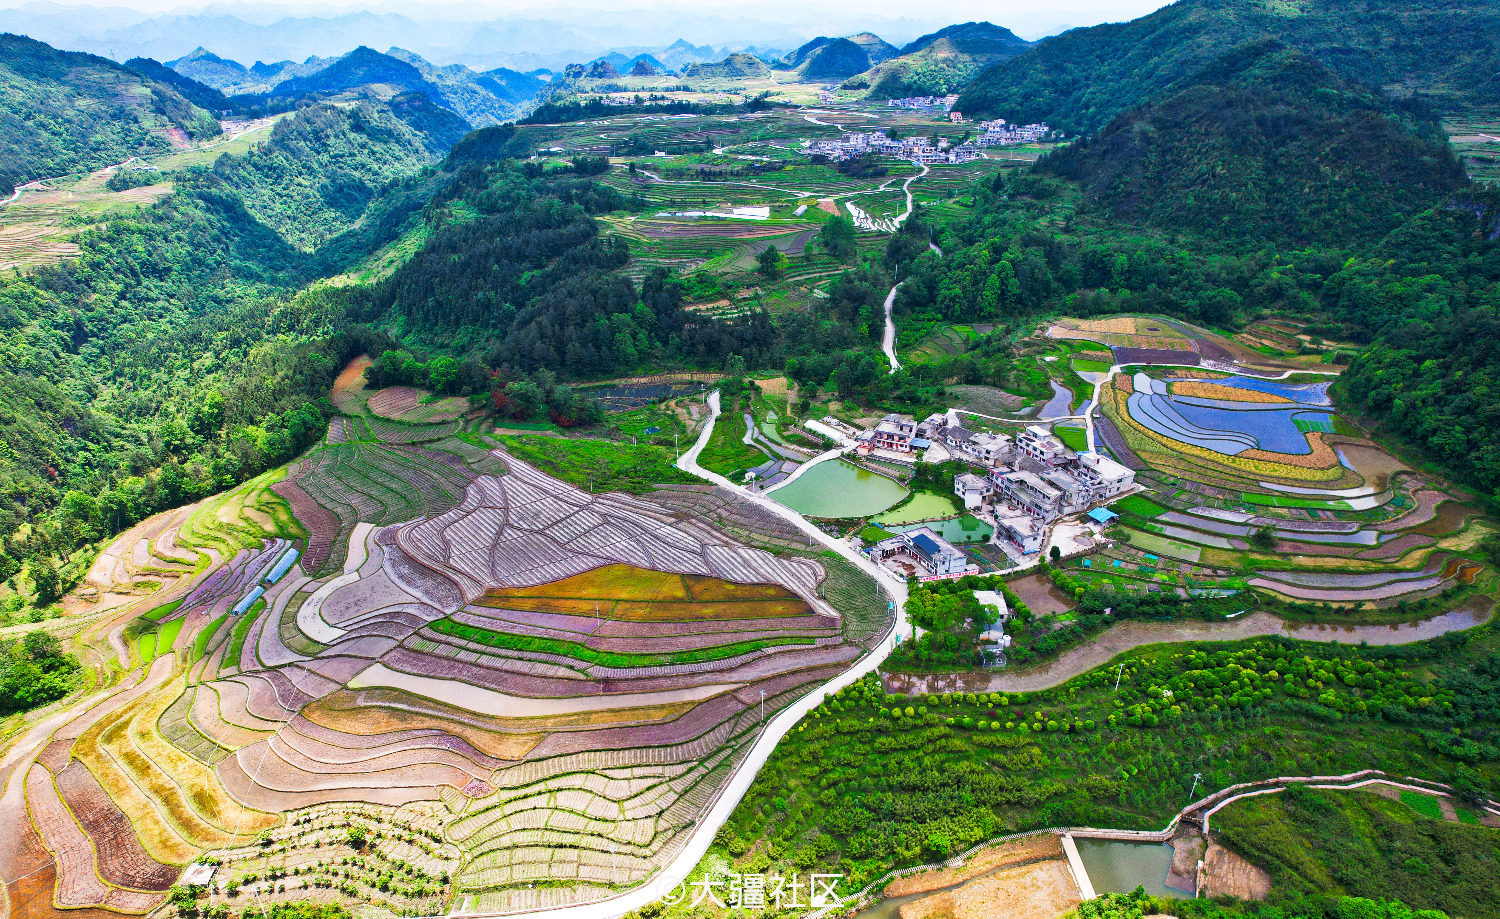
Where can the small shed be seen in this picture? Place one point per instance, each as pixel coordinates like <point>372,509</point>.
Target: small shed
<point>1103,516</point>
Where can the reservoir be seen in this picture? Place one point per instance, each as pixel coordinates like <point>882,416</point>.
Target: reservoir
<point>1118,867</point>
<point>836,488</point>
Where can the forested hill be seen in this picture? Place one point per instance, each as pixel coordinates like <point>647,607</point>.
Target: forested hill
<point>181,351</point>
<point>63,112</point>
<point>1444,50</point>
<point>322,169</point>
<point>941,62</point>
<point>515,267</point>
<point>1266,144</point>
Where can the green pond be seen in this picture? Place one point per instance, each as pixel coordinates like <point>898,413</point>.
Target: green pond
<point>1115,866</point>
<point>957,530</point>
<point>924,505</point>
<point>835,488</point>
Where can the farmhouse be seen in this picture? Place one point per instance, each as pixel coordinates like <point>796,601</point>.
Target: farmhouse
<point>973,489</point>
<point>1030,493</point>
<point>1022,530</point>
<point>1039,443</point>
<point>894,432</point>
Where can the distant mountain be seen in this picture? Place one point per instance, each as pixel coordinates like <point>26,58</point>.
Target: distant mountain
<point>825,58</point>
<point>877,48</point>
<point>479,98</point>
<point>1266,144</point>
<point>1445,50</point>
<point>680,53</point>
<point>209,69</point>
<point>647,64</point>
<point>64,111</point>
<point>940,62</point>
<point>733,67</point>
<point>602,70</point>
<point>205,97</point>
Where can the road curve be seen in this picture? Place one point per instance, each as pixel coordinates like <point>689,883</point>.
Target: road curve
<point>729,797</point>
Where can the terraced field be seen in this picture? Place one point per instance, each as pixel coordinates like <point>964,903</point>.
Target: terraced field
<point>1254,482</point>
<point>501,677</point>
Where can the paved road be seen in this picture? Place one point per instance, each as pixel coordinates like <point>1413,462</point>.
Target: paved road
<point>710,823</point>
<point>888,339</point>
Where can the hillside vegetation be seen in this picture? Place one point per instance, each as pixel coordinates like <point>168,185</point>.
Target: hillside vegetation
<point>941,62</point>
<point>1265,144</point>
<point>1081,79</point>
<point>65,112</point>
<point>170,359</point>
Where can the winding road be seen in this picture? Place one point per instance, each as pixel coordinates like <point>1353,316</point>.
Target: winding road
<point>888,339</point>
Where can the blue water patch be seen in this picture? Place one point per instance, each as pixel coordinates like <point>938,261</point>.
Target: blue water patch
<point>1275,431</point>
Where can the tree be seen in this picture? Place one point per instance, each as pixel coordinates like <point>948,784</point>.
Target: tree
<point>523,399</point>
<point>768,263</point>
<point>837,237</point>
<point>1055,554</point>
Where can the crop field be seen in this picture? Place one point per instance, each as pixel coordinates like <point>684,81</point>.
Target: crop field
<point>500,675</point>
<point>1257,483</point>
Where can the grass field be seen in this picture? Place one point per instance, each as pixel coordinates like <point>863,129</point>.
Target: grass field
<point>599,465</point>
<point>1139,506</point>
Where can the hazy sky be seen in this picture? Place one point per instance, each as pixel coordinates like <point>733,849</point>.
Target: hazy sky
<point>1026,17</point>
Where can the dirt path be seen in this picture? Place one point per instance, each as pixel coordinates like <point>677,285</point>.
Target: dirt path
<point>1126,636</point>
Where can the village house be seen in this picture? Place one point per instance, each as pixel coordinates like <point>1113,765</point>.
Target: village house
<point>1021,530</point>
<point>1105,478</point>
<point>935,553</point>
<point>894,432</point>
<point>1029,492</point>
<point>973,489</point>
<point>1039,443</point>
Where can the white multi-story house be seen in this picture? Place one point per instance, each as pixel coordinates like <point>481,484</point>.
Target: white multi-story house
<point>973,489</point>
<point>1029,492</point>
<point>1105,478</point>
<point>1042,445</point>
<point>1022,530</point>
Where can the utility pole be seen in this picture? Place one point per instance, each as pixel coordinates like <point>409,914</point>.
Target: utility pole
<point>676,448</point>
<point>762,706</point>
<point>1196,777</point>
<point>1118,674</point>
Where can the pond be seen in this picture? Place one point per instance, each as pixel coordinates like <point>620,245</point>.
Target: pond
<point>836,488</point>
<point>1114,866</point>
<point>924,505</point>
<point>1058,405</point>
<point>958,530</point>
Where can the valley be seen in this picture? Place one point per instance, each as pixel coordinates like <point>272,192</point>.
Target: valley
<point>666,482</point>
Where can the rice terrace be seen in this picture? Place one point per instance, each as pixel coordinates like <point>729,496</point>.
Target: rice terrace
<point>955,477</point>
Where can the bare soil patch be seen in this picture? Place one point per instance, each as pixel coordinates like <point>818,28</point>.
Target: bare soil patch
<point>1227,874</point>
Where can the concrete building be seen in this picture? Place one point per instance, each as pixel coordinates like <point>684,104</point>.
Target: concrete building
<point>1030,493</point>
<point>1105,477</point>
<point>973,489</point>
<point>1022,530</point>
<point>894,432</point>
<point>1039,443</point>
<point>935,553</point>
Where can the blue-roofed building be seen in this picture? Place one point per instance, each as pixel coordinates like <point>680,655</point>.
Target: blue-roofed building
<point>1103,516</point>
<point>935,553</point>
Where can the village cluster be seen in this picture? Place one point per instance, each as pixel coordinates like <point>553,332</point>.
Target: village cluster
<point>925,150</point>
<point>1021,484</point>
